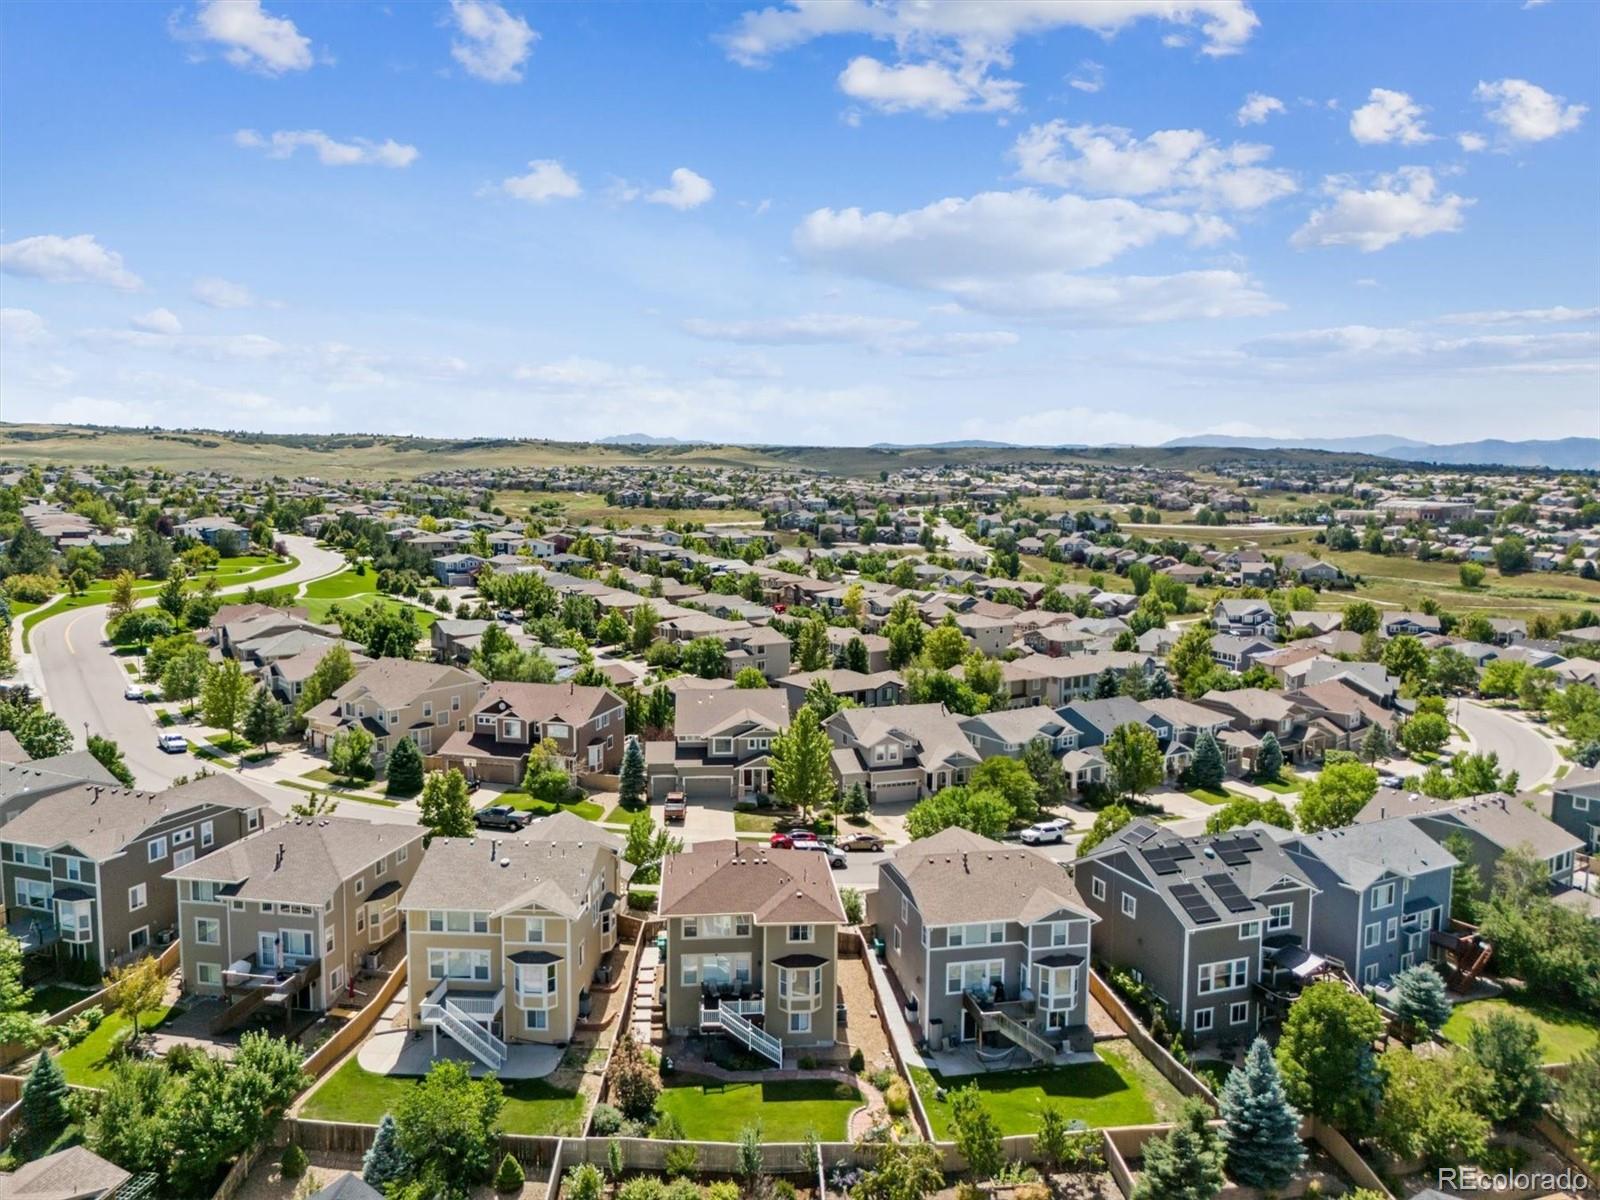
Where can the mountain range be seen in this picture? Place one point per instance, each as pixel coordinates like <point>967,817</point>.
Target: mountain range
<point>1561,454</point>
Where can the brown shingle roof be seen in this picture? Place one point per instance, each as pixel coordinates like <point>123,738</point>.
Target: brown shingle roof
<point>317,856</point>
<point>777,887</point>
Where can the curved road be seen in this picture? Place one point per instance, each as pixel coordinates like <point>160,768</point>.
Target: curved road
<point>83,680</point>
<point>1522,747</point>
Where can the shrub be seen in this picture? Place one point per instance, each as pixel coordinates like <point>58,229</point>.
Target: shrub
<point>681,1159</point>
<point>723,1189</point>
<point>684,1189</point>
<point>605,1122</point>
<point>293,1164</point>
<point>858,1061</point>
<point>642,1187</point>
<point>634,1080</point>
<point>897,1098</point>
<point>668,1128</point>
<point>584,1182</point>
<point>782,1189</point>
<point>881,1078</point>
<point>510,1177</point>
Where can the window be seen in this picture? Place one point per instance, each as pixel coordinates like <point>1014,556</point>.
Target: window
<point>1097,888</point>
<point>1383,895</point>
<point>208,833</point>
<point>1056,933</point>
<point>1223,976</point>
<point>382,868</point>
<point>468,965</point>
<point>980,976</point>
<point>252,819</point>
<point>1372,936</point>
<point>296,942</point>
<point>716,927</point>
<point>905,909</point>
<point>157,849</point>
<point>1391,929</point>
<point>138,896</point>
<point>536,979</point>
<point>1580,804</point>
<point>74,868</point>
<point>427,708</point>
<point>983,933</point>
<point>402,854</point>
<point>721,970</point>
<point>1279,916</point>
<point>208,974</point>
<point>203,891</point>
<point>182,858</point>
<point>33,893</point>
<point>182,837</point>
<point>1371,973</point>
<point>1130,905</point>
<point>1239,1012</point>
<point>30,856</point>
<point>536,931</point>
<point>538,1018</point>
<point>208,931</point>
<point>361,886</point>
<point>897,937</point>
<point>1204,1019</point>
<point>800,933</point>
<point>327,941</point>
<point>800,1022</point>
<point>1250,929</point>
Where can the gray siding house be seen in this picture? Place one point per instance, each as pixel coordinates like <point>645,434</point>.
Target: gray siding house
<point>1201,920</point>
<point>1575,806</point>
<point>985,938</point>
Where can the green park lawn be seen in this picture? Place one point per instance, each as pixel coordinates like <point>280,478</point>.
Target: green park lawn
<point>89,1063</point>
<point>1121,1089</point>
<point>1563,1035</point>
<point>714,1111</point>
<point>356,1095</point>
<point>1286,784</point>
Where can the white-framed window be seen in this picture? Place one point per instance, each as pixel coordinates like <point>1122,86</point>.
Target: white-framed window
<point>207,931</point>
<point>800,1022</point>
<point>536,979</point>
<point>897,937</point>
<point>1056,933</point>
<point>980,974</point>
<point>538,1018</point>
<point>905,909</point>
<point>1580,804</point>
<point>327,941</point>
<point>1204,1018</point>
<point>1372,935</point>
<point>1097,888</point>
<point>468,965</point>
<point>361,886</point>
<point>1383,895</point>
<point>138,897</point>
<point>1391,929</point>
<point>719,969</point>
<point>382,867</point>
<point>1130,904</point>
<point>980,933</point>
<point>1223,976</point>
<point>1250,929</point>
<point>1279,916</point>
<point>182,837</point>
<point>28,856</point>
<point>535,930</point>
<point>801,933</point>
<point>296,942</point>
<point>208,974</point>
<point>32,893</point>
<point>1238,1012</point>
<point>1370,975</point>
<point>252,818</point>
<point>182,858</point>
<point>74,868</point>
<point>157,849</point>
<point>335,980</point>
<point>208,833</point>
<point>402,854</point>
<point>716,927</point>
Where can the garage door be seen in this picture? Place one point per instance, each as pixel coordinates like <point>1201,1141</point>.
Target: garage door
<point>714,787</point>
<point>901,790</point>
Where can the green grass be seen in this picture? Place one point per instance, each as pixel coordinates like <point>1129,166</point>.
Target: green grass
<point>1110,1092</point>
<point>358,797</point>
<point>356,1095</point>
<point>231,743</point>
<point>753,822</point>
<point>1283,785</point>
<point>587,809</point>
<point>1214,796</point>
<point>714,1111</point>
<point>88,1063</point>
<point>348,590</point>
<point>53,997</point>
<point>1563,1035</point>
<point>622,815</point>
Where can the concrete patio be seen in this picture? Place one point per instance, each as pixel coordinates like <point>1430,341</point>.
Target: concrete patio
<point>399,1052</point>
<point>965,1061</point>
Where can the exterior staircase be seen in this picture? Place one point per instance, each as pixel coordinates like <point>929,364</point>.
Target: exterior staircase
<point>440,1012</point>
<point>753,1038</point>
<point>994,1020</point>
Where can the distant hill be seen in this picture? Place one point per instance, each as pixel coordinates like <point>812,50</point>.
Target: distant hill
<point>643,439</point>
<point>974,444</point>
<point>1561,454</point>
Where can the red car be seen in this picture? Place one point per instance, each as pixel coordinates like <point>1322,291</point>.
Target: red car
<point>786,841</point>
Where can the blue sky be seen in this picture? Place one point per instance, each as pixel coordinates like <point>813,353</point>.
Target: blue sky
<point>804,223</point>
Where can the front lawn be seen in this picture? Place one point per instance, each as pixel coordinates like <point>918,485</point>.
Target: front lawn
<point>1213,796</point>
<point>1110,1092</point>
<point>356,1095</point>
<point>587,809</point>
<point>714,1111</point>
<point>89,1063</point>
<point>1563,1035</point>
<point>1284,784</point>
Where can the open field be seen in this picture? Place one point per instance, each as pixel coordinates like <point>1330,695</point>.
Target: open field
<point>586,508</point>
<point>349,590</point>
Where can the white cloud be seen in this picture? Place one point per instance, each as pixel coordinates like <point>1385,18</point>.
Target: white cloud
<point>1405,204</point>
<point>1472,143</point>
<point>220,293</point>
<point>582,373</point>
<point>93,410</point>
<point>1526,112</point>
<point>686,191</point>
<point>1364,347</point>
<point>331,153</point>
<point>158,320</point>
<point>947,345</point>
<point>1181,166</point>
<point>1558,315</point>
<point>1105,300</point>
<point>1388,116</point>
<point>928,87</point>
<point>251,38</point>
<point>21,327</point>
<point>546,180</point>
<point>1089,77</point>
<point>809,329</point>
<point>1257,107</point>
<point>741,366</point>
<point>77,259</point>
<point>493,44</point>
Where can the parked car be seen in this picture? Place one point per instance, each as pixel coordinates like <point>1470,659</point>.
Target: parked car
<point>792,839</point>
<point>173,743</point>
<point>860,841</point>
<point>501,816</point>
<point>1390,781</point>
<point>836,858</point>
<point>134,691</point>
<point>506,616</point>
<point>1045,832</point>
<point>676,809</point>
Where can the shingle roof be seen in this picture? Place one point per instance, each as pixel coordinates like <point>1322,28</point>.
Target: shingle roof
<point>317,856</point>
<point>396,682</point>
<point>1503,820</point>
<point>99,821</point>
<point>702,713</point>
<point>777,887</point>
<point>1362,854</point>
<point>547,701</point>
<point>957,876</point>
<point>76,1173</point>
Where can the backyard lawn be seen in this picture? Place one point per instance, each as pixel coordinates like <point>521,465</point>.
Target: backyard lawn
<point>713,1111</point>
<point>532,1105</point>
<point>88,1063</point>
<point>53,997</point>
<point>1562,1035</point>
<point>1113,1091</point>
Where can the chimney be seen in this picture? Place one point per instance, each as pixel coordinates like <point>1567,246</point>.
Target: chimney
<point>494,849</point>
<point>277,865</point>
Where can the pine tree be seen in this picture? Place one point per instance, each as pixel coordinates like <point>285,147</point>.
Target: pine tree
<point>630,787</point>
<point>385,1162</point>
<point>1261,1129</point>
<point>1420,1003</point>
<point>1207,769</point>
<point>1107,685</point>
<point>264,719</point>
<point>1375,745</point>
<point>1187,1163</point>
<point>405,769</point>
<point>44,1102</point>
<point>1269,759</point>
<point>1160,686</point>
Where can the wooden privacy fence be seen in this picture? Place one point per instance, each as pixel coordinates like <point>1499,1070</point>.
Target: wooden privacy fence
<point>347,1138</point>
<point>1178,1075</point>
<point>10,1052</point>
<point>350,1035</point>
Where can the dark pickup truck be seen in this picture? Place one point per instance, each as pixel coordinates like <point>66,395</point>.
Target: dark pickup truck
<point>501,816</point>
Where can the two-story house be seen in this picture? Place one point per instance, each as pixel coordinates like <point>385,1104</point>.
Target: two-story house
<point>900,752</point>
<point>1006,732</point>
<point>1574,805</point>
<point>1201,920</point>
<point>1245,618</point>
<point>721,747</point>
<point>1383,887</point>
<point>1097,720</point>
<point>585,723</point>
<point>760,647</point>
<point>505,934</point>
<point>868,690</point>
<point>287,916</point>
<point>752,945</point>
<point>393,698</point>
<point>86,867</point>
<point>985,939</point>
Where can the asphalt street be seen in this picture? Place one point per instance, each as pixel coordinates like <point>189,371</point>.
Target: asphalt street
<point>1522,746</point>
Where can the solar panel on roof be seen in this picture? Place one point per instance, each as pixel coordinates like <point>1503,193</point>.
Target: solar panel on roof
<point>1233,856</point>
<point>1160,860</point>
<point>1229,893</point>
<point>1181,852</point>
<point>1196,905</point>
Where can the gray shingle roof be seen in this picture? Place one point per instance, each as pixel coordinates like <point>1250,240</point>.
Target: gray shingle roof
<point>318,855</point>
<point>76,1173</point>
<point>956,876</point>
<point>99,821</point>
<point>1362,854</point>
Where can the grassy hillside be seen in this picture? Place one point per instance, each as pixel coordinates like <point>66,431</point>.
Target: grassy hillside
<point>373,456</point>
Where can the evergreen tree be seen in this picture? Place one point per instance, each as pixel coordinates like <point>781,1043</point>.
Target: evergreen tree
<point>1420,1003</point>
<point>856,803</point>
<point>405,769</point>
<point>1187,1163</point>
<point>1269,759</point>
<point>44,1102</point>
<point>1375,744</point>
<point>264,718</point>
<point>1046,771</point>
<point>855,655</point>
<point>1107,685</point>
<point>385,1162</point>
<point>630,787</point>
<point>1207,769</point>
<point>1261,1129</point>
<point>1160,686</point>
